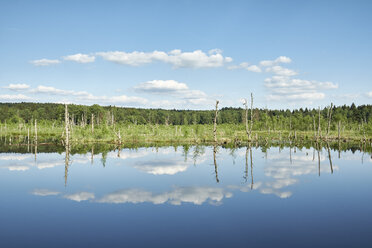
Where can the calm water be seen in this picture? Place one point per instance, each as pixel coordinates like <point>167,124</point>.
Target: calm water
<point>194,196</point>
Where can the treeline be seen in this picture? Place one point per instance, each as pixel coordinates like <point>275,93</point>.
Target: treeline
<point>300,119</point>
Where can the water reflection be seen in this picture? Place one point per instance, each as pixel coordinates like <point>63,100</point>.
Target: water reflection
<point>160,175</point>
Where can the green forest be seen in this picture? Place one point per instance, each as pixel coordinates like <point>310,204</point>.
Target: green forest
<point>18,119</point>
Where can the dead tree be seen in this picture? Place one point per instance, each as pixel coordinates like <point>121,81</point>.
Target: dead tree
<point>329,117</point>
<point>67,127</point>
<point>35,131</point>
<point>314,127</point>
<point>246,118</point>
<point>318,123</point>
<point>215,123</point>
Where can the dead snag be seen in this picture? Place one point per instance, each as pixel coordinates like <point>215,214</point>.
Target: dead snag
<point>215,123</point>
<point>329,117</point>
<point>250,129</point>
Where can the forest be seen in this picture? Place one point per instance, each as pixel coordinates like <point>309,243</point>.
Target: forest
<point>110,123</point>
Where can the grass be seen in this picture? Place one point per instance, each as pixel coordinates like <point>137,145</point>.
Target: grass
<point>192,134</point>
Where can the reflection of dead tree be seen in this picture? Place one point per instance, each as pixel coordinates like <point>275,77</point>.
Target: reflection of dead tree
<point>250,152</point>
<point>318,158</point>
<point>119,150</point>
<point>92,155</point>
<point>329,157</point>
<point>246,165</point>
<point>67,162</point>
<point>313,154</point>
<point>215,162</point>
<point>339,149</point>
<point>198,152</point>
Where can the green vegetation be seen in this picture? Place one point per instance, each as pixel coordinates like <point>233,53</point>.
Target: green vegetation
<point>130,125</point>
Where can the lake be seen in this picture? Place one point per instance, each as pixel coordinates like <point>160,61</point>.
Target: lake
<point>186,196</point>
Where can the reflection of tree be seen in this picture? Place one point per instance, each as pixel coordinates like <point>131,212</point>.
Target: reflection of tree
<point>329,157</point>
<point>67,162</point>
<point>246,165</point>
<point>215,162</point>
<point>318,148</point>
<point>198,152</point>
<point>185,152</point>
<point>248,150</point>
<point>92,155</point>
<point>119,150</point>
<point>104,158</point>
<point>233,154</point>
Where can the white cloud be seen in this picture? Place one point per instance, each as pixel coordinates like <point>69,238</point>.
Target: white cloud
<point>278,70</point>
<point>54,91</point>
<point>45,62</point>
<point>246,66</point>
<point>18,97</point>
<point>75,96</point>
<point>174,89</point>
<point>122,99</point>
<point>369,94</point>
<point>161,86</point>
<point>80,196</point>
<point>177,58</point>
<point>17,87</point>
<point>290,89</point>
<point>280,59</point>
<point>80,58</point>
<point>44,192</point>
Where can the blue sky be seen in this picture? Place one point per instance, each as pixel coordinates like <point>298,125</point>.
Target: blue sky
<point>174,54</point>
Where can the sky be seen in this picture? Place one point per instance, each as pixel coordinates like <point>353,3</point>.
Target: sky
<point>186,54</point>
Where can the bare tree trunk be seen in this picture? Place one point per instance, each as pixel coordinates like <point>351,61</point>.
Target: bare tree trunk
<point>329,118</point>
<point>339,128</point>
<point>250,129</point>
<point>67,127</point>
<point>36,131</point>
<point>314,127</point>
<point>318,123</point>
<point>28,136</point>
<point>246,118</point>
<point>215,123</point>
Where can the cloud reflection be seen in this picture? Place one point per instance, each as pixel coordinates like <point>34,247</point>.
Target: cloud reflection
<point>161,167</point>
<point>195,195</point>
<point>80,196</point>
<point>44,192</point>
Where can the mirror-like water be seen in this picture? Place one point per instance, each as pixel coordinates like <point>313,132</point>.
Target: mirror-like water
<point>191,196</point>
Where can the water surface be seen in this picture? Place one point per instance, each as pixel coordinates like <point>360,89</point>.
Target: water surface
<point>187,196</point>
